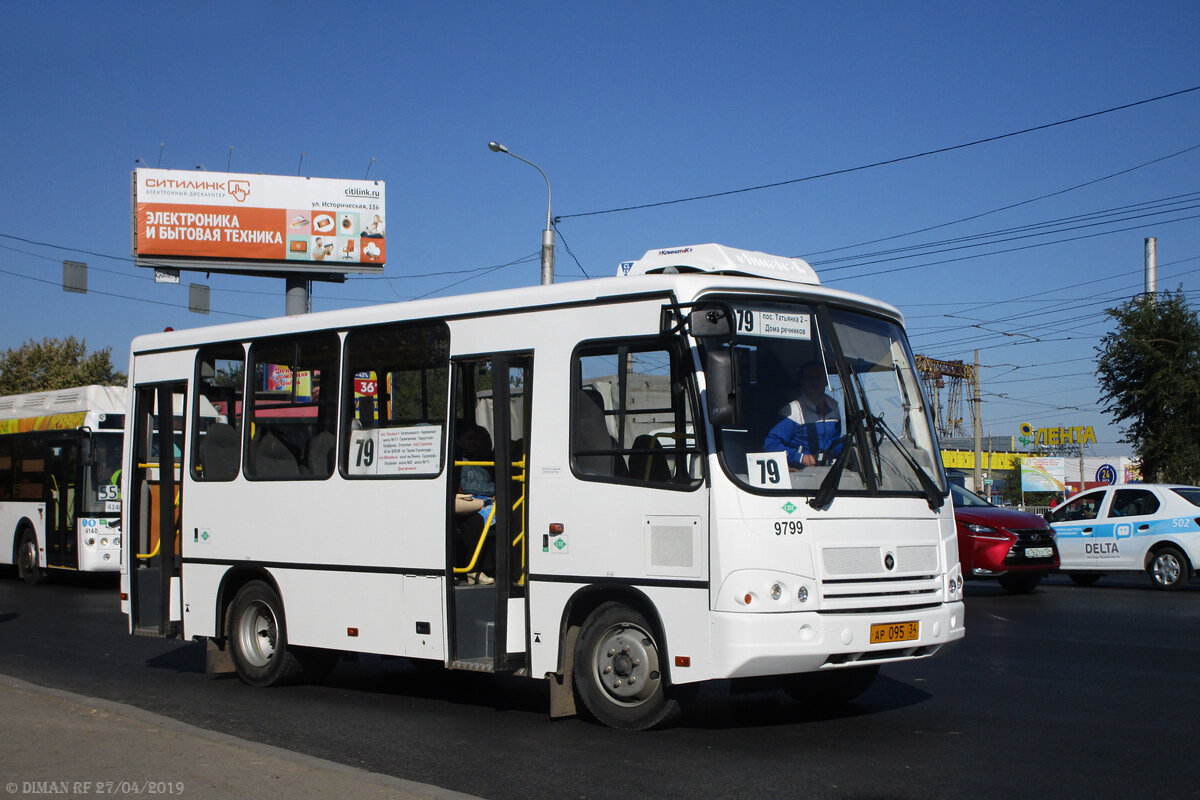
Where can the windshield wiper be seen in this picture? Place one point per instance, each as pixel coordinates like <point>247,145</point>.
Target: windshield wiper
<point>829,486</point>
<point>933,495</point>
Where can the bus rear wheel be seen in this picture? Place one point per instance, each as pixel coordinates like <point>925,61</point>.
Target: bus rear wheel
<point>257,637</point>
<point>27,559</point>
<point>617,671</point>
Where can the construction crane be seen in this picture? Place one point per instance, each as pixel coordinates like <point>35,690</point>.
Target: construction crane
<point>945,379</point>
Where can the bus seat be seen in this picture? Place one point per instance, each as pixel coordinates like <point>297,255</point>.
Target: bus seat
<point>591,433</point>
<point>647,462</point>
<point>273,458</point>
<point>319,460</point>
<point>217,452</point>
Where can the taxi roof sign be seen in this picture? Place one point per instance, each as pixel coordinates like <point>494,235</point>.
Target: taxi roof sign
<point>719,259</point>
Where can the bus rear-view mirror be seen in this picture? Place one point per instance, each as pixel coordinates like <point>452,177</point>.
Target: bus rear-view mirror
<point>710,322</point>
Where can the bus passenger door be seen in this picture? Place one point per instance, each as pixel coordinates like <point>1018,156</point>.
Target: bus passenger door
<point>155,503</point>
<point>62,473</point>
<point>490,431</point>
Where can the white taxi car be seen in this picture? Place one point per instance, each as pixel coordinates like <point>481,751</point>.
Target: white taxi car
<point>1136,526</point>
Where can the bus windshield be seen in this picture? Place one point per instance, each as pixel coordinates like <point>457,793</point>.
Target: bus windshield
<point>824,390</point>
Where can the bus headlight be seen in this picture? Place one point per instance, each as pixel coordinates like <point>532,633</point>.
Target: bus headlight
<point>104,542</point>
<point>767,591</point>
<point>90,541</point>
<point>954,583</point>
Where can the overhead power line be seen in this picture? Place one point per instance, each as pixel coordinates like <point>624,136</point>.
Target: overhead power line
<point>1009,207</point>
<point>1140,226</point>
<point>886,162</point>
<point>1108,216</point>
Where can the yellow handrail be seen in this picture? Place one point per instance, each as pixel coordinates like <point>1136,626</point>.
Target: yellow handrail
<point>158,544</point>
<point>487,525</point>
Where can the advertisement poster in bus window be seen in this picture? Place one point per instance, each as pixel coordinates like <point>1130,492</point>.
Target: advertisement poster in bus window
<point>278,378</point>
<point>319,224</point>
<point>366,396</point>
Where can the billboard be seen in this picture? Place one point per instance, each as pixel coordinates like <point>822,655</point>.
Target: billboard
<point>271,223</point>
<point>1043,474</point>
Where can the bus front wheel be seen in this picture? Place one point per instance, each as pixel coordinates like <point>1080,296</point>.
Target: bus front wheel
<point>257,637</point>
<point>617,671</point>
<point>27,559</point>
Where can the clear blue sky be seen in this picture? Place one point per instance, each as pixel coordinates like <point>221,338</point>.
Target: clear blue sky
<point>626,104</point>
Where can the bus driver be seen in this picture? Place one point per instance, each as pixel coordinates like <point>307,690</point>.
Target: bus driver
<point>810,429</point>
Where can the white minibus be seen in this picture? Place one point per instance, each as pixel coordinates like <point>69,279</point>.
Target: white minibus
<point>605,484</point>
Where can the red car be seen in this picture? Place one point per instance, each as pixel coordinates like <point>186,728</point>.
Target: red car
<point>1015,547</point>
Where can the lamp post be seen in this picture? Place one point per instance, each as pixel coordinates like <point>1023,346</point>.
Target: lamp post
<point>548,234</point>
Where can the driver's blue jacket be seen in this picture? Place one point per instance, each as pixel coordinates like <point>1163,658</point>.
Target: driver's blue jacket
<point>807,430</point>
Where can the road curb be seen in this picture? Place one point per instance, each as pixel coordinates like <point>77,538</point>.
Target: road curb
<point>55,736</point>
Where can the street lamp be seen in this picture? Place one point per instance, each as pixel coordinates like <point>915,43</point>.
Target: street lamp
<point>548,234</point>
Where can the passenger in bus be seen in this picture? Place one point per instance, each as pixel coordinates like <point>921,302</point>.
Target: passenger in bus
<point>475,445</point>
<point>811,429</point>
<point>473,504</point>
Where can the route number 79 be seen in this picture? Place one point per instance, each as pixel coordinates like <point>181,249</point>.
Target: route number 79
<point>768,470</point>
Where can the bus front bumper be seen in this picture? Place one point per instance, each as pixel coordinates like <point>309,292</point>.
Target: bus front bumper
<point>756,644</point>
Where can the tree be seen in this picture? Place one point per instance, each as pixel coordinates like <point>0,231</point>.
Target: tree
<point>1149,374</point>
<point>55,364</point>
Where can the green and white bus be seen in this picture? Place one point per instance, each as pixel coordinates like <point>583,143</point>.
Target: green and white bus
<point>60,460</point>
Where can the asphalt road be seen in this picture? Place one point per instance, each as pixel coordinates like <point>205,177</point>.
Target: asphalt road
<point>1066,692</point>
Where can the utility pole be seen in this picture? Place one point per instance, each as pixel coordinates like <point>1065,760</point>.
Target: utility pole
<point>978,426</point>
<point>1081,483</point>
<point>1151,268</point>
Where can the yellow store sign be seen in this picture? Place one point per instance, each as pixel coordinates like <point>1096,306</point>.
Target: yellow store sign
<point>965,459</point>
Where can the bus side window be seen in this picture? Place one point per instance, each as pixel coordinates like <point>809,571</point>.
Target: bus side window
<point>6,463</point>
<point>217,425</point>
<point>398,387</point>
<point>290,396</point>
<point>30,465</point>
<point>631,414</point>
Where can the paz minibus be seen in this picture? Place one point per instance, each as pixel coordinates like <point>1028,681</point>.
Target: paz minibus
<point>641,537</point>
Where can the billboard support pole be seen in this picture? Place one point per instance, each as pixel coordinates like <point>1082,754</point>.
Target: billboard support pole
<point>1020,467</point>
<point>299,296</point>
